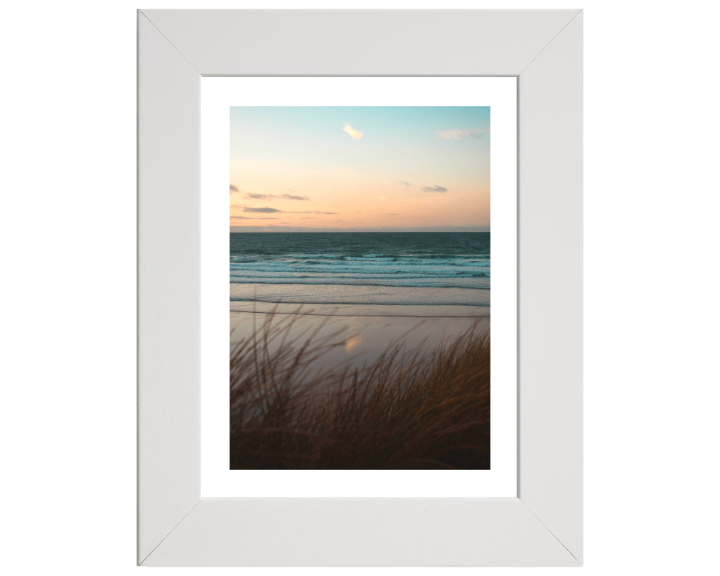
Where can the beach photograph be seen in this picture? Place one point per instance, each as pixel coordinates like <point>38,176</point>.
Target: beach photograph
<point>359,288</point>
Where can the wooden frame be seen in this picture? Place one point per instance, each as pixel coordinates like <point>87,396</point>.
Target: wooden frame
<point>543,525</point>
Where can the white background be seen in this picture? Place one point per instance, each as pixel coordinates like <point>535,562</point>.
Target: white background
<point>217,95</point>
<point>651,271</point>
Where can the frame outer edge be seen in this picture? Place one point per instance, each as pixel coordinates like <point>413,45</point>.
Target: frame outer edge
<point>168,287</point>
<point>168,470</point>
<point>551,237</point>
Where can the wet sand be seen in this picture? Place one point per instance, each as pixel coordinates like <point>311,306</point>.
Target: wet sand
<point>366,330</point>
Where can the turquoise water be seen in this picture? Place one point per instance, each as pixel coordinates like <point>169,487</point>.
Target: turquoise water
<point>399,259</point>
<point>362,268</point>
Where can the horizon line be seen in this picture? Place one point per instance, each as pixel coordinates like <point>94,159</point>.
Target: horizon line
<point>291,229</point>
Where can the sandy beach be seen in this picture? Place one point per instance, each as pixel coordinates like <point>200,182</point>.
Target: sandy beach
<point>367,331</point>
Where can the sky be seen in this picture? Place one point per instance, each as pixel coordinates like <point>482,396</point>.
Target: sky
<point>359,168</point>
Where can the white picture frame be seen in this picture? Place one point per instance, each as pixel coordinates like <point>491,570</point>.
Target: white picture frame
<point>542,526</point>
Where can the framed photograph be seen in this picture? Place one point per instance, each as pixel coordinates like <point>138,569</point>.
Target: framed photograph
<point>399,381</point>
<point>391,278</point>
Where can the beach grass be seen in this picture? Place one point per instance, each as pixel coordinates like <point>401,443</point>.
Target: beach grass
<point>411,408</point>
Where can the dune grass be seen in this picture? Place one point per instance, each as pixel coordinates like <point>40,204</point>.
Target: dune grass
<point>409,409</point>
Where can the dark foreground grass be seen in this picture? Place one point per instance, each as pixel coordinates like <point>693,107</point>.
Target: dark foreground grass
<point>409,409</point>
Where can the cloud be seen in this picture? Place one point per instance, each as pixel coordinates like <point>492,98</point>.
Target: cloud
<point>393,214</point>
<point>268,210</point>
<point>261,210</point>
<point>460,134</point>
<point>234,188</point>
<point>402,182</point>
<point>254,196</point>
<point>354,134</point>
<point>435,188</point>
<point>246,218</point>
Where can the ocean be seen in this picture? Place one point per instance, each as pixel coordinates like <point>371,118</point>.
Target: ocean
<point>360,268</point>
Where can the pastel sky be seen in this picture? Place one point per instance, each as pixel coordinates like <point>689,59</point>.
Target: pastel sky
<point>359,168</point>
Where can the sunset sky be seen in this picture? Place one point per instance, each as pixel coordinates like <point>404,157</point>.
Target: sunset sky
<point>359,168</point>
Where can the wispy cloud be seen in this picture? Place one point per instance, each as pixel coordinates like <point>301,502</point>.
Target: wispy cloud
<point>354,134</point>
<point>265,210</point>
<point>254,196</point>
<point>402,182</point>
<point>393,214</point>
<point>268,210</point>
<point>435,188</point>
<point>460,134</point>
<point>234,188</point>
<point>246,218</point>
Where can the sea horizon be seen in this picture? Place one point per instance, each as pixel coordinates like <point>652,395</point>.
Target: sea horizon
<point>429,230</point>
